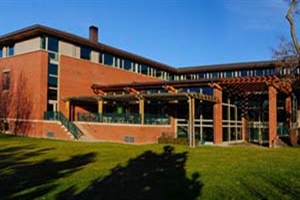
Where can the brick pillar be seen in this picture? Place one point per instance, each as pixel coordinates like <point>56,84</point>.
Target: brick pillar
<point>288,110</point>
<point>68,109</point>
<point>272,115</point>
<point>218,129</point>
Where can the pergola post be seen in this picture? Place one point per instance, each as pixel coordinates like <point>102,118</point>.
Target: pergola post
<point>100,106</point>
<point>218,115</point>
<point>191,121</point>
<point>100,109</point>
<point>272,115</point>
<point>288,110</point>
<point>141,110</point>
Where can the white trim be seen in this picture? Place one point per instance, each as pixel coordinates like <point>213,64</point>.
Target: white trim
<point>32,120</point>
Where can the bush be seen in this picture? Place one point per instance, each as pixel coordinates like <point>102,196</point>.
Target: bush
<point>295,136</point>
<point>172,140</point>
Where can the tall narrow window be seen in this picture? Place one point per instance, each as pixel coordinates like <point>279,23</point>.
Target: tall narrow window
<point>108,59</point>
<point>52,44</point>
<point>6,80</point>
<point>144,69</point>
<point>1,52</point>
<point>11,50</point>
<point>43,42</point>
<point>128,65</point>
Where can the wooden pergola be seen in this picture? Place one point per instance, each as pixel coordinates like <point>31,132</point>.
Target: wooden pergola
<point>241,87</point>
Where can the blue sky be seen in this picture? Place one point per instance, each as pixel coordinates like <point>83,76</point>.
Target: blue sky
<point>175,32</point>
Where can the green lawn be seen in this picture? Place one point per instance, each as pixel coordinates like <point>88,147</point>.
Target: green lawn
<point>49,169</point>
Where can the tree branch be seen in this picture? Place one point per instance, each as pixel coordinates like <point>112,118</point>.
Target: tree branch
<point>292,25</point>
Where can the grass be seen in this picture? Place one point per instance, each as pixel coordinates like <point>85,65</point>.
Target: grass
<point>51,169</point>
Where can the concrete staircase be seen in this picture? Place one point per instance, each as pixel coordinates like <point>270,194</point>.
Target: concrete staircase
<point>86,136</point>
<point>68,133</point>
<point>282,141</point>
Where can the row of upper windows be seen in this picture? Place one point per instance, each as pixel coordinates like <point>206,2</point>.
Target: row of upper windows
<point>52,45</point>
<point>7,51</point>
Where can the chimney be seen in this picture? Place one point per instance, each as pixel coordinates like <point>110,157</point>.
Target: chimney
<point>94,34</point>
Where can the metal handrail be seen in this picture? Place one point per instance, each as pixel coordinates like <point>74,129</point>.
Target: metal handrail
<point>58,116</point>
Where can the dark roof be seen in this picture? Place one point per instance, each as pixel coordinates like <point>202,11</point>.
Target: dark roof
<point>36,30</point>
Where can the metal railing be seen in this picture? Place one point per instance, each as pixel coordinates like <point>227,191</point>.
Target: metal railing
<point>282,129</point>
<point>132,118</point>
<point>58,116</point>
<point>156,119</point>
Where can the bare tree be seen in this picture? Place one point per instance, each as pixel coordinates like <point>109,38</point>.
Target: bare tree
<point>287,54</point>
<point>289,48</point>
<point>15,103</point>
<point>22,105</point>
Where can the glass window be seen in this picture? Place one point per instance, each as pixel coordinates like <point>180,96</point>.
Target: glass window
<point>127,65</point>
<point>43,42</point>
<point>258,72</point>
<point>215,75</point>
<point>201,75</point>
<point>52,94</point>
<point>228,74</point>
<point>171,77</point>
<point>52,81</point>
<point>11,50</point>
<point>53,69</point>
<point>53,56</point>
<point>108,59</point>
<point>144,69</point>
<point>85,53</point>
<point>100,57</point>
<point>6,81</point>
<point>244,72</point>
<point>52,44</point>
<point>158,74</point>
<point>1,52</point>
<point>207,90</point>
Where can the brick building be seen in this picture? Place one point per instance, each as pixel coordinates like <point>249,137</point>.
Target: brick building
<point>58,85</point>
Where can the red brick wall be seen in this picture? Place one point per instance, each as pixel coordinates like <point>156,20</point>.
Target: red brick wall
<point>116,132</point>
<point>77,76</point>
<point>28,87</point>
<point>38,129</point>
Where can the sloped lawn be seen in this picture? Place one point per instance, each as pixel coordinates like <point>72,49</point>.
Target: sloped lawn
<point>51,169</point>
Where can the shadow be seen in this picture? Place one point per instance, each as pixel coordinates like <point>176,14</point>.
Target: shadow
<point>22,106</point>
<point>148,176</point>
<point>272,187</point>
<point>16,103</point>
<point>21,178</point>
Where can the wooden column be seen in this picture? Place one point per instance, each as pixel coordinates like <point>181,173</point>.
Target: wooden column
<point>244,127</point>
<point>218,115</point>
<point>100,106</point>
<point>288,110</point>
<point>191,122</point>
<point>141,110</point>
<point>272,115</point>
<point>68,107</point>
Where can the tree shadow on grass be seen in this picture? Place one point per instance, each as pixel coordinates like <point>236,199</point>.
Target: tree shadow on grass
<point>148,176</point>
<point>22,178</point>
<point>273,187</point>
